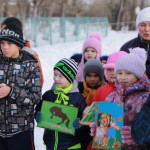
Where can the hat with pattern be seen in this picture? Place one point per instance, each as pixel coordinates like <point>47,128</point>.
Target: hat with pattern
<point>12,33</point>
<point>68,68</point>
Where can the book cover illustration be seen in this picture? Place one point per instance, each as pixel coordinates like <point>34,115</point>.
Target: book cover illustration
<point>108,120</point>
<point>58,117</point>
<point>89,116</point>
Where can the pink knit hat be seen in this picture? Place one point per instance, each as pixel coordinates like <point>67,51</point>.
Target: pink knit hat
<point>111,61</point>
<point>94,40</point>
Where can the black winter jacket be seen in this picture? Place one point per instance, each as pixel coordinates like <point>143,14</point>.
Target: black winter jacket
<point>52,138</point>
<point>138,42</point>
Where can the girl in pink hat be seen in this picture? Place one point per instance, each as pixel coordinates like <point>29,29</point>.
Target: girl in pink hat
<point>91,50</point>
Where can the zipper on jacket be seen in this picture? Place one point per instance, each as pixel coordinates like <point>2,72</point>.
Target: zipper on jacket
<point>147,48</point>
<point>6,101</point>
<point>56,140</point>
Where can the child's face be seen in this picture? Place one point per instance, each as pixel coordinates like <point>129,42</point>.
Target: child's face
<point>9,49</point>
<point>60,80</point>
<point>126,77</point>
<point>90,53</point>
<point>92,79</point>
<point>111,75</point>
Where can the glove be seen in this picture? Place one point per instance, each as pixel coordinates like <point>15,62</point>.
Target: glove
<point>38,117</point>
<point>76,123</point>
<point>92,129</point>
<point>126,135</point>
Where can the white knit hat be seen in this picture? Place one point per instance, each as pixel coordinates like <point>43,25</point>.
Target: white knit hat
<point>143,15</point>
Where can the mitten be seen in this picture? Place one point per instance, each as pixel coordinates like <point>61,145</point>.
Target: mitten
<point>38,117</point>
<point>126,135</point>
<point>92,129</point>
<point>76,123</point>
<point>85,111</point>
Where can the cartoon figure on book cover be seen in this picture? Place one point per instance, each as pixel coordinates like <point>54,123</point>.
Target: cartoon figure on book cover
<point>105,130</point>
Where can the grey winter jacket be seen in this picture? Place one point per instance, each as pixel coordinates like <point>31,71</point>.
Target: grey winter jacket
<point>17,109</point>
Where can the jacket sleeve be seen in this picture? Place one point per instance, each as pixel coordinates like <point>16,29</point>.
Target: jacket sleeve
<point>30,92</point>
<point>81,106</point>
<point>141,126</point>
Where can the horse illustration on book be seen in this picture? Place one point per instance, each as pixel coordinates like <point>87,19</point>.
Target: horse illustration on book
<point>57,111</point>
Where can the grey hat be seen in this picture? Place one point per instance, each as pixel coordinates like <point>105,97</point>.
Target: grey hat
<point>93,65</point>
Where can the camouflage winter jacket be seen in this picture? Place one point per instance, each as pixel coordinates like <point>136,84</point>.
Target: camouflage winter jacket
<point>17,109</point>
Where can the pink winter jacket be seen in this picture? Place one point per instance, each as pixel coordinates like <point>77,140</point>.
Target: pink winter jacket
<point>133,96</point>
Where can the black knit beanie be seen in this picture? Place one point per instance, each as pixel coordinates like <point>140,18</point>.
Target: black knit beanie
<point>13,34</point>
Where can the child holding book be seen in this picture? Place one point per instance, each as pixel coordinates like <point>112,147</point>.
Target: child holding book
<point>132,88</point>
<point>64,91</point>
<point>105,90</point>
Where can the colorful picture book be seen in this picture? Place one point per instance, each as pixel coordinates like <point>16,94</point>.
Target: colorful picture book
<point>89,116</point>
<point>108,120</point>
<point>58,117</point>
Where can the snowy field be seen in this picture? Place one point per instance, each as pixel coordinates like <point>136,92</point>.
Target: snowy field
<point>50,54</point>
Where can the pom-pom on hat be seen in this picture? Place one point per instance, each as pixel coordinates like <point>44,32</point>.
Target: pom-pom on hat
<point>68,68</point>
<point>143,15</point>
<point>111,61</point>
<point>12,33</point>
<point>94,40</point>
<point>133,62</point>
<point>93,65</point>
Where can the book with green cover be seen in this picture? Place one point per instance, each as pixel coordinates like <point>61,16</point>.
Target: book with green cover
<point>58,117</point>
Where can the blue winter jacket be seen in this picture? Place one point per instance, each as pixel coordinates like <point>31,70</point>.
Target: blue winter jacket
<point>141,126</point>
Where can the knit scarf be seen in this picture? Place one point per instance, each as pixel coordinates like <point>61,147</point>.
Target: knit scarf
<point>88,93</point>
<point>62,98</point>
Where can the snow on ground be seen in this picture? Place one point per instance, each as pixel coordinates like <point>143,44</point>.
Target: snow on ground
<point>50,54</point>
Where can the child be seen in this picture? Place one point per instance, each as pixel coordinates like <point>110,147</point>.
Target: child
<point>141,126</point>
<point>64,91</point>
<point>15,21</point>
<point>104,91</point>
<point>91,50</point>
<point>132,88</point>
<point>20,91</point>
<point>93,79</point>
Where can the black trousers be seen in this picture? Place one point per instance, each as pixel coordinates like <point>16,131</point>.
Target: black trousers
<point>20,141</point>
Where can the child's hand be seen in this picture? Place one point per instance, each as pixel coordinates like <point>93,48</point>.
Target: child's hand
<point>76,123</point>
<point>126,135</point>
<point>92,129</point>
<point>4,90</point>
<point>86,110</point>
<point>38,117</point>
